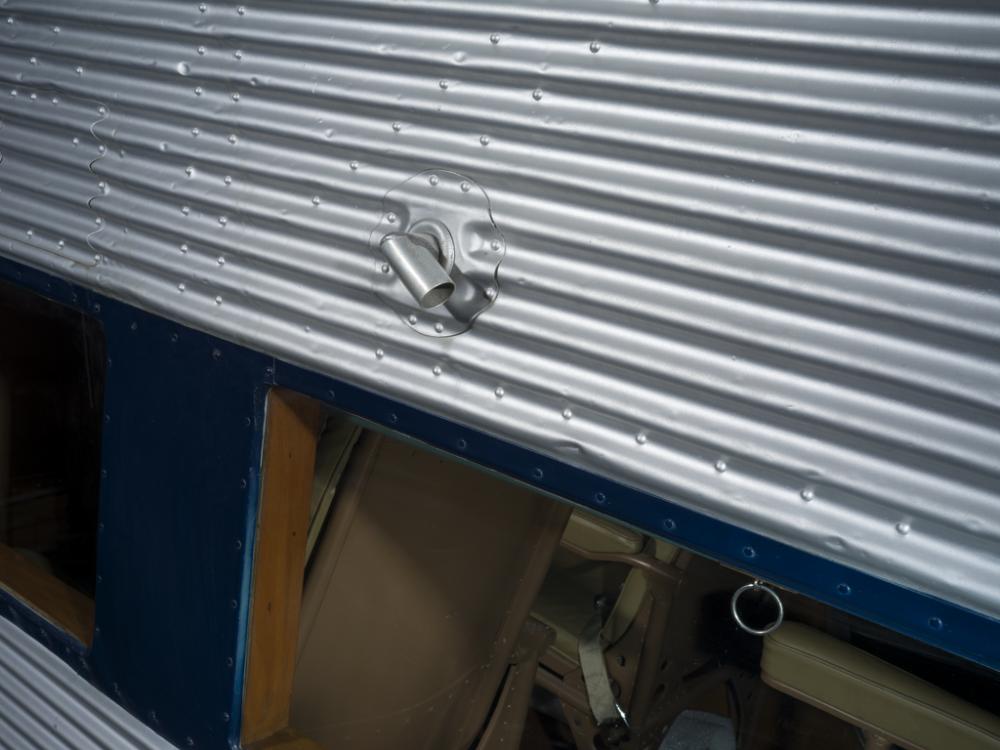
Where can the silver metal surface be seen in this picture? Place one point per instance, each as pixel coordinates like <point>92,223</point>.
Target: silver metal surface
<point>734,608</point>
<point>751,249</point>
<point>44,704</point>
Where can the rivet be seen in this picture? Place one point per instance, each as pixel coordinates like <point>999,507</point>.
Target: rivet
<point>393,418</point>
<point>56,29</point>
<point>189,171</point>
<point>567,413</point>
<point>101,185</point>
<point>201,50</point>
<point>189,741</point>
<point>217,354</point>
<point>721,466</point>
<point>241,10</point>
<point>536,94</point>
<point>749,552</point>
<point>433,179</point>
<point>185,210</point>
<point>436,370</point>
<point>243,484</point>
<point>495,38</point>
<point>843,589</point>
<point>385,268</point>
<point>903,528</point>
<point>33,96</point>
<point>439,327</point>
<point>499,391</point>
<point>391,217</point>
<point>33,60</point>
<point>397,126</point>
<point>808,494</point>
<point>184,247</point>
<point>236,96</point>
<point>537,473</point>
<point>223,220</point>
<point>238,54</point>
<point>595,46</point>
<point>30,232</point>
<point>466,187</point>
<point>443,84</point>
<point>669,524</point>
<point>490,292</point>
<point>379,353</point>
<point>203,7</point>
<point>76,141</point>
<point>640,438</point>
<point>232,138</point>
<point>97,258</point>
<point>227,180</point>
<point>315,200</point>
<point>600,498</point>
<point>218,300</point>
<point>198,90</point>
<point>412,319</point>
<point>79,70</point>
<point>495,245</point>
<point>484,140</point>
<point>225,717</point>
<point>229,661</point>
<point>461,444</point>
<point>195,132</point>
<point>935,623</point>
<point>353,165</point>
<point>221,260</point>
<point>181,287</point>
<point>10,19</point>
<point>238,544</point>
<point>133,326</point>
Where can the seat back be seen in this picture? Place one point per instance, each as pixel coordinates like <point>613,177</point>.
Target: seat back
<point>872,694</point>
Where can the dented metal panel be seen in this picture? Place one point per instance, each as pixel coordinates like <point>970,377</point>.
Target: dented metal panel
<point>45,704</point>
<point>750,249</point>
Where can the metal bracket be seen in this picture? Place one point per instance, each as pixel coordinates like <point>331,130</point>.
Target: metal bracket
<point>437,252</point>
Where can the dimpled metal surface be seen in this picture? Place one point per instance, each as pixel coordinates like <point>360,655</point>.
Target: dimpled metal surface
<point>751,249</point>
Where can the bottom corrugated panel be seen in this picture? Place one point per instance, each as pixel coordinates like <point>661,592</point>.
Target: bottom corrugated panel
<point>45,704</point>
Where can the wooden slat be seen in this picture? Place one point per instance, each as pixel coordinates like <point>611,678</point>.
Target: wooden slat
<point>286,740</point>
<point>279,559</point>
<point>54,600</point>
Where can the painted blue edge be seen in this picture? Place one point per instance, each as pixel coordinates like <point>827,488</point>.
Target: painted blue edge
<point>956,629</point>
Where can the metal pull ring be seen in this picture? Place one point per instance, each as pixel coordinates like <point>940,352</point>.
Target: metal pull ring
<point>735,608</point>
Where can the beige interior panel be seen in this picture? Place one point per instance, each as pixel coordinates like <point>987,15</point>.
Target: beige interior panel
<point>418,591</point>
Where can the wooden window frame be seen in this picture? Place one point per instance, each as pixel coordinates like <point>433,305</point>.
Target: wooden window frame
<point>291,432</point>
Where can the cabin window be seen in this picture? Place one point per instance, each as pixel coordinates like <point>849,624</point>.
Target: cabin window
<point>51,389</point>
<point>405,598</point>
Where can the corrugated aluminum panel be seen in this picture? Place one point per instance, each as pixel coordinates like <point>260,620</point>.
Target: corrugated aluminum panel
<point>45,704</point>
<point>752,252</point>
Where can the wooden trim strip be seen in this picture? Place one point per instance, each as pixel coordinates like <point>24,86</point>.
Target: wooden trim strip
<point>57,602</point>
<point>290,437</point>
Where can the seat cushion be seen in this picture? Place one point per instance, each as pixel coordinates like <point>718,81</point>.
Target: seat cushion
<point>868,692</point>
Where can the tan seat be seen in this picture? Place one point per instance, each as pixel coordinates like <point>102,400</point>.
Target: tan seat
<point>415,609</point>
<point>865,691</point>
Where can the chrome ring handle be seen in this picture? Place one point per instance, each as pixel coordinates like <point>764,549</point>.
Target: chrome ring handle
<point>735,609</point>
